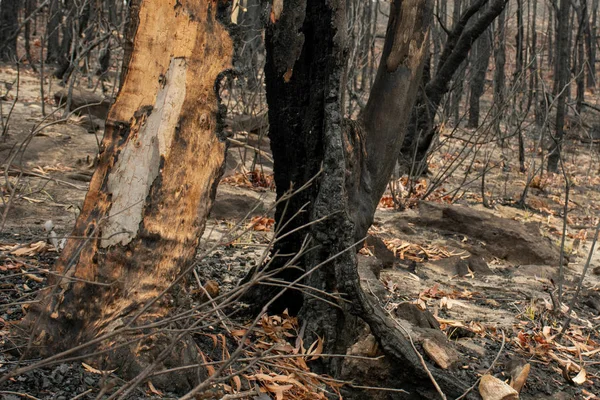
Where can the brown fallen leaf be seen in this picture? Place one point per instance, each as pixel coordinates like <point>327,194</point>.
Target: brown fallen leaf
<point>153,389</point>
<point>93,370</point>
<point>30,249</point>
<point>580,378</point>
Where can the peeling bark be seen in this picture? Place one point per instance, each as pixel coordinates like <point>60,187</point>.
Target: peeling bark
<point>160,161</point>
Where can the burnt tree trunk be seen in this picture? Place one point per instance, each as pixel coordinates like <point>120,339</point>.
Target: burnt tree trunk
<point>422,135</point>
<point>479,65</point>
<point>351,161</point>
<point>9,23</point>
<point>561,83</point>
<point>579,66</point>
<point>499,73</point>
<point>160,161</point>
<point>53,31</point>
<point>591,81</point>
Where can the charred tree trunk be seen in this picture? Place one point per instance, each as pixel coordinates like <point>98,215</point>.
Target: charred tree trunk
<point>304,73</point>
<point>533,97</point>
<point>479,66</point>
<point>246,32</point>
<point>519,44</point>
<point>591,82</point>
<point>30,6</point>
<point>499,72</point>
<point>561,82</point>
<point>420,137</point>
<point>457,86</point>
<point>160,161</point>
<point>579,67</point>
<point>9,23</point>
<point>53,30</point>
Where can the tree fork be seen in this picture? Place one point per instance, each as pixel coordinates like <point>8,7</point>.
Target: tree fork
<point>160,161</point>
<point>304,72</point>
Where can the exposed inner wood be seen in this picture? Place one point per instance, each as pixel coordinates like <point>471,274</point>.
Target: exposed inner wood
<point>159,163</point>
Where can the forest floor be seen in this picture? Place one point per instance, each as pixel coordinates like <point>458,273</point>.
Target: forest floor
<point>489,275</point>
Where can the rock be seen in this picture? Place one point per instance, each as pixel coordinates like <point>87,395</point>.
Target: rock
<point>470,344</point>
<point>492,388</point>
<point>366,347</point>
<point>86,103</point>
<point>518,371</point>
<point>591,298</point>
<point>91,123</point>
<point>504,238</point>
<point>368,271</point>
<point>417,317</point>
<point>440,352</point>
<point>456,265</point>
<point>380,250</point>
<point>478,265</point>
<point>234,204</point>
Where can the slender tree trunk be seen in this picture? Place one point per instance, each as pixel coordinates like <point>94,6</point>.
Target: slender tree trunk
<point>160,161</point>
<point>550,36</point>
<point>591,82</point>
<point>479,67</point>
<point>533,97</point>
<point>590,44</point>
<point>9,23</point>
<point>457,92</point>
<point>519,47</point>
<point>53,30</point>
<point>561,82</point>
<point>580,68</point>
<point>422,135</point>
<point>30,6</point>
<point>499,73</point>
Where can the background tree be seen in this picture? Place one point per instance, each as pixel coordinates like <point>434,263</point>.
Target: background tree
<point>561,82</point>
<point>9,24</point>
<point>422,133</point>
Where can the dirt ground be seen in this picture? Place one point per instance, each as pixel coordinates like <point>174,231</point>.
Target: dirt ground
<point>507,293</point>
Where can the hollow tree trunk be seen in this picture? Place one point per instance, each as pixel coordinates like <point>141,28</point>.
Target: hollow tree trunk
<point>304,73</point>
<point>160,161</point>
<point>9,23</point>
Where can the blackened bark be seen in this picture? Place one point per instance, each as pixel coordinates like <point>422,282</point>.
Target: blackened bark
<point>499,71</point>
<point>304,71</point>
<point>30,6</point>
<point>459,43</point>
<point>247,36</point>
<point>561,82</point>
<point>479,66</point>
<point>591,81</point>
<point>519,45</point>
<point>65,52</point>
<point>9,23</point>
<point>533,97</point>
<point>580,67</point>
<point>53,30</point>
